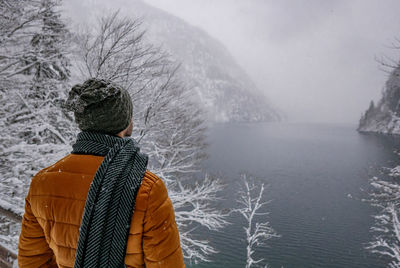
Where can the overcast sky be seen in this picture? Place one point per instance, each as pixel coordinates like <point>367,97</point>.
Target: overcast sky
<point>314,59</point>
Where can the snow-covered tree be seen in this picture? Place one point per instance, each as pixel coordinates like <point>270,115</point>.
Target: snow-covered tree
<point>386,196</point>
<point>33,74</point>
<point>167,124</point>
<point>251,204</point>
<point>164,116</point>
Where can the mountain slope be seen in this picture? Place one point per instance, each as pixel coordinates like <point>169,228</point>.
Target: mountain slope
<point>223,89</point>
<point>385,116</point>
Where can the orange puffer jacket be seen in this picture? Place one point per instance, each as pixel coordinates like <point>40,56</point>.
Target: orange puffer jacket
<point>54,208</point>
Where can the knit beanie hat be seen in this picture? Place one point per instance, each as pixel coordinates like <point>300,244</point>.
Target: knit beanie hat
<point>100,106</point>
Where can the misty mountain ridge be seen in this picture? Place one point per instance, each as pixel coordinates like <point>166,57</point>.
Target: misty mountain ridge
<point>384,117</point>
<point>221,86</point>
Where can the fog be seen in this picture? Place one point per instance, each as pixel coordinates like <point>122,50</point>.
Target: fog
<point>315,60</point>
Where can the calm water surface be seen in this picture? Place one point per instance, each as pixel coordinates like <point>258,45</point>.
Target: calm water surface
<point>316,175</point>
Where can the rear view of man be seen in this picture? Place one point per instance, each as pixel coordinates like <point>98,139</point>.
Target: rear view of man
<point>99,206</point>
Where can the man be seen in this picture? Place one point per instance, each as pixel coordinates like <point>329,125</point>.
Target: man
<point>78,211</point>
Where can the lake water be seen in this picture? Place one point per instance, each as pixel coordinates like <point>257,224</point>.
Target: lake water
<point>317,174</point>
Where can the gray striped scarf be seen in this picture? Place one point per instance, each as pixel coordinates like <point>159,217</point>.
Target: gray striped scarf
<point>111,199</point>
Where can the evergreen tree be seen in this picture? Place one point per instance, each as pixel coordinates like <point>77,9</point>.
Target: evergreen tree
<point>49,51</point>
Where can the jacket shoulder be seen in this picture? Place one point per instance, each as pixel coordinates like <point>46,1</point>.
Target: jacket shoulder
<point>44,170</point>
<point>152,186</point>
<point>41,173</point>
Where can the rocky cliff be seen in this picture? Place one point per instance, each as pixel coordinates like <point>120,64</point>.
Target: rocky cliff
<point>384,117</point>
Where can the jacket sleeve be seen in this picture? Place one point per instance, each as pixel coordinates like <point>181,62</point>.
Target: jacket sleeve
<point>33,250</point>
<point>161,243</point>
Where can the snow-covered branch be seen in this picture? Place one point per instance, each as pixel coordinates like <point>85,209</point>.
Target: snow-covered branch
<point>195,207</point>
<point>251,204</point>
<point>386,196</point>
